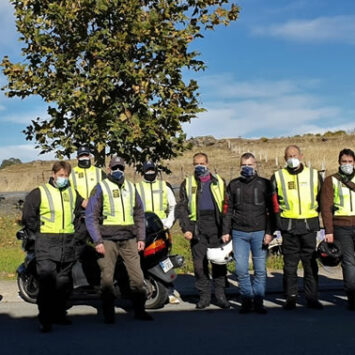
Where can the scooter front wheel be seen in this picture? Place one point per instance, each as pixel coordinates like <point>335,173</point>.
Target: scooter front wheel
<point>28,287</point>
<point>157,295</point>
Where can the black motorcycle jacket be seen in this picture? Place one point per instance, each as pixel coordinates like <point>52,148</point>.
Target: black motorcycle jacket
<point>249,205</point>
<point>56,247</point>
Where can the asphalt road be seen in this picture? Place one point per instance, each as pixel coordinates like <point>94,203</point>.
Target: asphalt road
<point>180,329</point>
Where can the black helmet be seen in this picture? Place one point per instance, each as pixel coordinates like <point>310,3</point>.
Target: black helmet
<point>329,254</point>
<point>83,150</point>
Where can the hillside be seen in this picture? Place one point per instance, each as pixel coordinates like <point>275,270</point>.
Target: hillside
<point>319,151</point>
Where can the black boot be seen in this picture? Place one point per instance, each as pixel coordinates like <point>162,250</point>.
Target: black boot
<point>221,299</point>
<point>138,306</point>
<point>259,305</point>
<point>247,305</point>
<point>205,300</point>
<point>290,303</point>
<point>351,300</point>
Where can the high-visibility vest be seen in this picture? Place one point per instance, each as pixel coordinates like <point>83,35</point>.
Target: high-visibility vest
<point>57,209</point>
<point>154,196</point>
<point>84,180</point>
<point>118,203</point>
<point>298,193</point>
<point>217,189</point>
<point>344,198</point>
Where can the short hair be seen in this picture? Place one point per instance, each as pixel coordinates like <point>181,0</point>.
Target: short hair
<point>346,151</point>
<point>58,165</point>
<point>293,146</point>
<point>200,154</point>
<point>246,156</point>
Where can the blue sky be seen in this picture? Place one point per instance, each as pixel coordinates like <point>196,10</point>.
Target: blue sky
<point>284,68</point>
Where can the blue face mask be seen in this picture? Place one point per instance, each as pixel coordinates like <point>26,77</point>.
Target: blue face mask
<point>117,175</point>
<point>201,170</point>
<point>62,181</point>
<point>247,171</point>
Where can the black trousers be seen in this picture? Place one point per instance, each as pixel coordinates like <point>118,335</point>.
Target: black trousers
<point>55,285</point>
<point>346,237</point>
<point>296,247</point>
<point>207,237</point>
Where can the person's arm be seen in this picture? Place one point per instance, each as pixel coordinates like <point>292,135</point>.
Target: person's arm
<point>270,226</point>
<point>182,213</point>
<point>169,220</point>
<point>327,206</point>
<point>227,211</point>
<point>275,202</point>
<point>93,214</point>
<point>139,218</point>
<point>30,212</point>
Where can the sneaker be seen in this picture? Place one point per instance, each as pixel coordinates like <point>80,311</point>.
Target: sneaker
<point>173,299</point>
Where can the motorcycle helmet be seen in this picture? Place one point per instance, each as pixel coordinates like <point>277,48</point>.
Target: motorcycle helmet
<point>329,254</point>
<point>221,255</point>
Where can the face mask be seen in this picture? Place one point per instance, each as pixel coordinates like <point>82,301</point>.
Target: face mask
<point>247,171</point>
<point>201,170</point>
<point>84,163</point>
<point>62,181</point>
<point>347,169</point>
<point>150,176</point>
<point>293,163</point>
<point>117,175</point>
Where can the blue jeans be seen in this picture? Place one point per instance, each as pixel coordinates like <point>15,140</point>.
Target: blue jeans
<point>243,242</point>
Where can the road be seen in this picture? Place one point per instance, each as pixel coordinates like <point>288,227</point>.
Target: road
<point>180,329</point>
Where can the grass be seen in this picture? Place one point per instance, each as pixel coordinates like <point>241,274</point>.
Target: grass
<point>11,254</point>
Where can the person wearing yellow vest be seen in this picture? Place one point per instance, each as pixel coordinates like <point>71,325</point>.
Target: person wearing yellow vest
<point>83,178</point>
<point>116,224</point>
<point>49,212</point>
<point>338,213</point>
<point>158,197</point>
<point>200,211</point>
<point>295,198</point>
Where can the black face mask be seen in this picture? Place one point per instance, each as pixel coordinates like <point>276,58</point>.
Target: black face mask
<point>150,177</point>
<point>84,163</point>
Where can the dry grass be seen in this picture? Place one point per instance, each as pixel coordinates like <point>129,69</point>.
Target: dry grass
<point>321,153</point>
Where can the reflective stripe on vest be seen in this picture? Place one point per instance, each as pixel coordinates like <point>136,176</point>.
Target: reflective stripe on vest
<point>118,203</point>
<point>84,180</point>
<point>217,190</point>
<point>57,209</point>
<point>154,197</point>
<point>297,193</point>
<point>344,198</point>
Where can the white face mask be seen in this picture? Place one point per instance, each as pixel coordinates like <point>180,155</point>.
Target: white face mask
<point>293,163</point>
<point>347,169</point>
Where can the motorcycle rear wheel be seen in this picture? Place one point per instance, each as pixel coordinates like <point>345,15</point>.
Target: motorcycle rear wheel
<point>28,287</point>
<point>159,294</point>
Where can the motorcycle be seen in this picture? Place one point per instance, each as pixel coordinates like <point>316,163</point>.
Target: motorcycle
<point>157,264</point>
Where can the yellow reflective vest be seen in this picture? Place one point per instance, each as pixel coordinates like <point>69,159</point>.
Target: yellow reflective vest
<point>84,180</point>
<point>217,189</point>
<point>298,193</point>
<point>344,198</point>
<point>154,196</point>
<point>57,209</point>
<point>118,203</point>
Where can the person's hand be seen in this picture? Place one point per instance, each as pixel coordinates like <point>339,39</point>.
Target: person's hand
<point>267,239</point>
<point>226,238</point>
<point>84,203</point>
<point>100,248</point>
<point>329,238</point>
<point>188,235</point>
<point>140,245</point>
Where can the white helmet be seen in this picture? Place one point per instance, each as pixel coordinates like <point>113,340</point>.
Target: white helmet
<point>221,255</point>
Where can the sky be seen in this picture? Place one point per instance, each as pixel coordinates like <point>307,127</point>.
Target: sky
<point>283,68</point>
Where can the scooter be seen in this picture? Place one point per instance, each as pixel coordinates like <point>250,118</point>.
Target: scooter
<point>157,264</point>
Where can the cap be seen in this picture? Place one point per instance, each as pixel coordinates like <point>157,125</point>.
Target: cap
<point>115,160</point>
<point>148,165</point>
<point>83,150</point>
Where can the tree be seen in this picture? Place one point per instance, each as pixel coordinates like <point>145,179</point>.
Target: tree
<point>111,72</point>
<point>10,161</point>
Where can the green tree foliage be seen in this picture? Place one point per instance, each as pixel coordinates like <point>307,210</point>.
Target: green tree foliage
<point>10,161</point>
<point>111,72</point>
